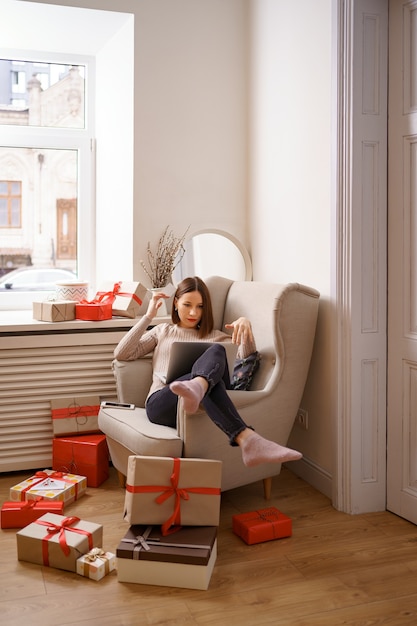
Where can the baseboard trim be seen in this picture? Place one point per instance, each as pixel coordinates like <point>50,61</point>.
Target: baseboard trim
<point>313,474</point>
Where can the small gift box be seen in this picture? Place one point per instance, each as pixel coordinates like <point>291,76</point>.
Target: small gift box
<point>50,485</point>
<point>96,564</point>
<point>126,296</point>
<point>54,310</point>
<point>58,541</point>
<point>172,491</point>
<point>263,525</point>
<point>93,311</point>
<point>87,455</point>
<point>75,414</point>
<point>20,514</point>
<point>185,559</point>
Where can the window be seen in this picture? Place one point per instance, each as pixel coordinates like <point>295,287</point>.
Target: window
<point>46,166</point>
<point>10,203</point>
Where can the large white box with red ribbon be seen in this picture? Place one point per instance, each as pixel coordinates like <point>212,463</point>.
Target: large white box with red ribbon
<point>58,541</point>
<point>173,492</point>
<point>50,485</point>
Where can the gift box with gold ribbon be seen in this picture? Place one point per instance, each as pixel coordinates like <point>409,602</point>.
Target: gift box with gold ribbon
<point>20,514</point>
<point>50,485</point>
<point>58,541</point>
<point>184,559</point>
<point>262,525</point>
<point>72,415</point>
<point>96,564</point>
<point>172,492</point>
<point>87,455</point>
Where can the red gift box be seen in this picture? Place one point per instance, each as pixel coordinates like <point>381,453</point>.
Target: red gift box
<point>20,514</point>
<point>262,525</point>
<point>87,455</point>
<point>93,311</point>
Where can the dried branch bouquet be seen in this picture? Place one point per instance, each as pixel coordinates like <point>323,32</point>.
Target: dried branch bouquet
<point>161,264</point>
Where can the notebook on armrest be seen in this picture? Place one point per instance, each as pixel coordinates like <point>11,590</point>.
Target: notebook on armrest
<point>185,353</point>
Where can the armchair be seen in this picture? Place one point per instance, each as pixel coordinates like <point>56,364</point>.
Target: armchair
<point>284,320</point>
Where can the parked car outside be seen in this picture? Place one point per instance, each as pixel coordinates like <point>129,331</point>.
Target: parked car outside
<point>34,279</point>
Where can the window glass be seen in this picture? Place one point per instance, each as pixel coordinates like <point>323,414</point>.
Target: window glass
<point>38,210</point>
<point>42,94</point>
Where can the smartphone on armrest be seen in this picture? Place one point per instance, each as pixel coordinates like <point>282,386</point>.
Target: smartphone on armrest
<point>116,405</point>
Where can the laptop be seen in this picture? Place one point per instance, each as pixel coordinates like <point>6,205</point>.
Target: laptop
<point>185,353</point>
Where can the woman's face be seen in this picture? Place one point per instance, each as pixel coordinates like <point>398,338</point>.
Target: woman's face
<point>190,309</point>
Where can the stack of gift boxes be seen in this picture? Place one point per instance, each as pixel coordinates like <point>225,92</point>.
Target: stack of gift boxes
<point>123,299</point>
<point>47,536</point>
<point>173,508</point>
<point>78,446</point>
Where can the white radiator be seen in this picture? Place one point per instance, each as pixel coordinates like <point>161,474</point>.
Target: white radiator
<point>35,368</point>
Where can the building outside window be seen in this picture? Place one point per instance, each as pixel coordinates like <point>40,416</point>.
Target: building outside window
<point>40,169</point>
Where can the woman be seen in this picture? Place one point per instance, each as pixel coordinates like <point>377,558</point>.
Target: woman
<point>206,384</point>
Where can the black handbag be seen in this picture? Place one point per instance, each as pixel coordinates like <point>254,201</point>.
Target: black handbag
<point>244,370</point>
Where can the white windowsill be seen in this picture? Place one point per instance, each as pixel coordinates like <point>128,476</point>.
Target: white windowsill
<point>22,321</point>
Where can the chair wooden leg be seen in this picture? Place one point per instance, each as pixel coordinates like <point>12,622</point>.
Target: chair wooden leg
<point>267,487</point>
<point>122,479</point>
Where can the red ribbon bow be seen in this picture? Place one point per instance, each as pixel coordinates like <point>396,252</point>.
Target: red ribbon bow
<point>173,523</point>
<point>61,528</point>
<point>108,297</point>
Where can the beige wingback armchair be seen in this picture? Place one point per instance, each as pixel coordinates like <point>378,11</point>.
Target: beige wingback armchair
<point>284,322</point>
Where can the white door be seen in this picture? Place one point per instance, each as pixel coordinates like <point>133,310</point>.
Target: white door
<point>402,261</point>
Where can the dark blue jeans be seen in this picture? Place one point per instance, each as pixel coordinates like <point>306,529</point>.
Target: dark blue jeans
<point>161,406</point>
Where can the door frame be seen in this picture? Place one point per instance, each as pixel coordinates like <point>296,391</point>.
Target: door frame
<point>360,29</point>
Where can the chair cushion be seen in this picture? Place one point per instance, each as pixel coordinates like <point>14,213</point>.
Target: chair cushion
<point>133,430</point>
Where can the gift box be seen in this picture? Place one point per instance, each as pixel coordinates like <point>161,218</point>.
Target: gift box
<point>58,541</point>
<point>96,564</point>
<point>172,491</point>
<point>93,311</point>
<point>87,455</point>
<point>20,514</point>
<point>263,525</point>
<point>50,485</point>
<point>184,559</point>
<point>126,296</point>
<point>54,310</point>
<point>75,414</point>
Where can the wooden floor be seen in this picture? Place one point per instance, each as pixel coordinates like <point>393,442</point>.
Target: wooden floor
<point>335,569</point>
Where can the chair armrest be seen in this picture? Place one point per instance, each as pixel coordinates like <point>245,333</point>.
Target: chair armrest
<point>133,380</point>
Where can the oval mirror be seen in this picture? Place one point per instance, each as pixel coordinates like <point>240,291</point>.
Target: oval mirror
<point>214,253</point>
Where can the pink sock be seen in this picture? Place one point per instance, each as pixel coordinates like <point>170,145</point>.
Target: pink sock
<point>191,391</point>
<point>256,450</point>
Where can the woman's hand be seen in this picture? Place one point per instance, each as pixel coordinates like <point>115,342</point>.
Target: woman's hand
<point>155,303</point>
<point>242,331</point>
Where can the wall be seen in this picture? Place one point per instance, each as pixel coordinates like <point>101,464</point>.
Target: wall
<point>232,131</point>
<point>290,174</point>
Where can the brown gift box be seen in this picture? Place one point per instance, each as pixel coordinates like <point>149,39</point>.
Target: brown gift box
<point>184,558</point>
<point>172,491</point>
<point>58,541</point>
<point>54,310</point>
<point>74,415</point>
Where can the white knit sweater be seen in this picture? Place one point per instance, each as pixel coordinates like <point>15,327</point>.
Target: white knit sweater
<point>140,341</point>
